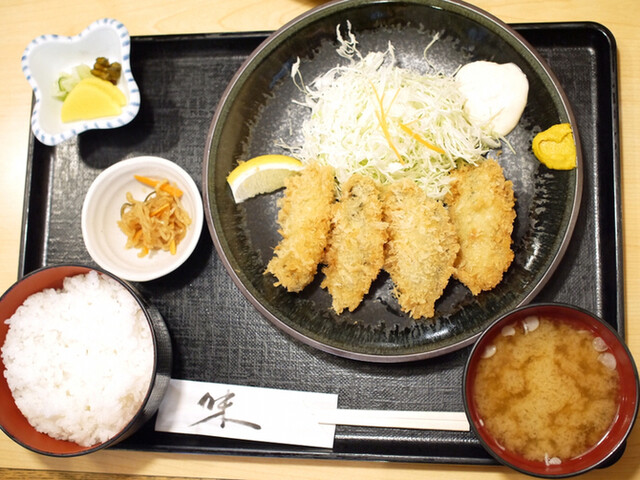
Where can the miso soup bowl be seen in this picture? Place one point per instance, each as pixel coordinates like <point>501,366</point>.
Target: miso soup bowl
<point>612,443</point>
<point>13,422</point>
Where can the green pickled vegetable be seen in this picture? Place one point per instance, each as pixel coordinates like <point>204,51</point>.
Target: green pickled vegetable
<point>66,81</point>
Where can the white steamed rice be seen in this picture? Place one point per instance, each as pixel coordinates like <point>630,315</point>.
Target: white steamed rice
<point>79,360</point>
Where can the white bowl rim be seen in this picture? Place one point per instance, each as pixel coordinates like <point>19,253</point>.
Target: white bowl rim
<point>129,112</point>
<point>186,247</point>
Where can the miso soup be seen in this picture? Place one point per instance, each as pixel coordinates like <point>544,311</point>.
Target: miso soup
<point>547,390</point>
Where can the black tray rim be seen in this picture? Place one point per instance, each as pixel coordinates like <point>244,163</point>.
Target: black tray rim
<point>253,449</point>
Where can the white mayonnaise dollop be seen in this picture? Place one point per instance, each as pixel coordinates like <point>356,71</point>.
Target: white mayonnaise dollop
<point>496,94</point>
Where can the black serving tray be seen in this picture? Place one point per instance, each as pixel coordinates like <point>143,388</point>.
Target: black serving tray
<point>219,337</point>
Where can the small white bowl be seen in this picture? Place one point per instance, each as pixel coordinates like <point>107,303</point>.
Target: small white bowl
<point>103,238</point>
<point>47,56</point>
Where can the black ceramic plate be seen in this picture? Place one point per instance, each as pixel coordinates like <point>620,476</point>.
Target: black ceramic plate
<point>257,111</point>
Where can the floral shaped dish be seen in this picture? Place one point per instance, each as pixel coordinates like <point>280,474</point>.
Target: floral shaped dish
<point>47,56</point>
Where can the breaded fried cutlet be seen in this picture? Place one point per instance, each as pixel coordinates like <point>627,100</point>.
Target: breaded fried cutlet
<point>355,253</point>
<point>304,219</point>
<point>481,204</point>
<point>421,248</point>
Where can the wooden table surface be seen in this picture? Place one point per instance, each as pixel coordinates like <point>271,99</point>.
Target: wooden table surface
<point>23,20</point>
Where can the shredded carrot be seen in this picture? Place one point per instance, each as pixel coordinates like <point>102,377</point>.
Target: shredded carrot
<point>170,189</point>
<point>157,222</point>
<point>159,210</point>
<point>385,130</point>
<point>420,138</point>
<point>382,120</point>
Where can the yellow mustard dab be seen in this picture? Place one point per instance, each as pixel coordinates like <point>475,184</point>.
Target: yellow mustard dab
<point>555,147</point>
<point>92,98</point>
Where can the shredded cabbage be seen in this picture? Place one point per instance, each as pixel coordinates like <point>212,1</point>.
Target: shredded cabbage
<point>375,118</point>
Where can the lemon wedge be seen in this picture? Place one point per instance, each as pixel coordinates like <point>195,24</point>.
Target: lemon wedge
<point>262,174</point>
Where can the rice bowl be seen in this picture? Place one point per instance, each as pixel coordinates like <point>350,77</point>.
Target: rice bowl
<point>85,361</point>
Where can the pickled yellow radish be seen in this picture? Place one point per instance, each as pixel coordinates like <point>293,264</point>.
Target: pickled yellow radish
<point>92,98</point>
